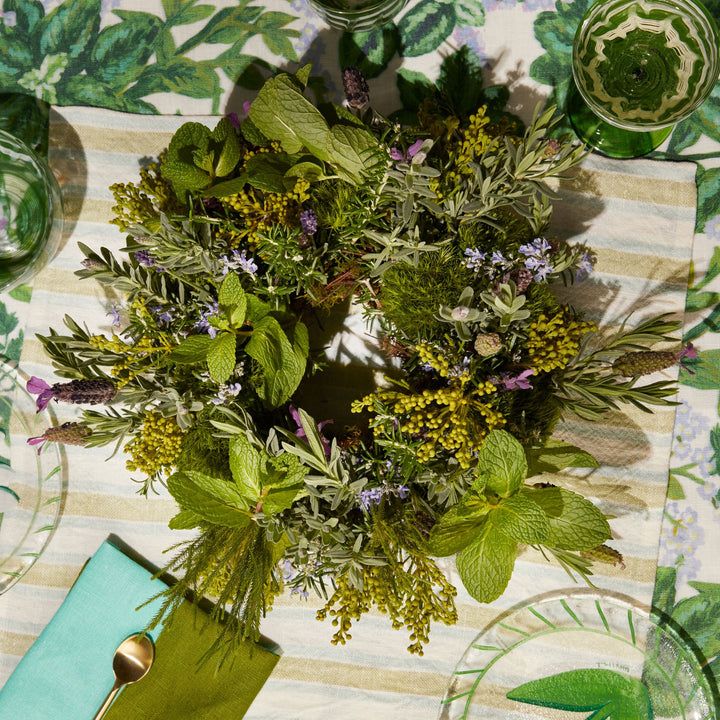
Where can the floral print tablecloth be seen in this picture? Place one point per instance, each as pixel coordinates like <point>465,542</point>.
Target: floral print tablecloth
<point>197,57</point>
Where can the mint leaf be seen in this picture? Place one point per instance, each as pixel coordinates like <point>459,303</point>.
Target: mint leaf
<point>281,112</point>
<point>502,462</point>
<point>521,519</point>
<point>556,455</point>
<point>575,523</point>
<point>283,359</point>
<point>246,467</point>
<point>266,171</point>
<point>307,169</point>
<point>221,357</point>
<point>486,565</point>
<point>214,500</point>
<point>227,188</point>
<point>225,146</point>
<point>190,142</point>
<point>185,520</point>
<point>284,483</point>
<point>349,147</point>
<point>233,300</point>
<point>191,350</point>
<point>454,531</point>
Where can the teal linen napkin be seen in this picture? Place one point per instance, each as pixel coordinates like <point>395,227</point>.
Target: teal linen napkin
<point>67,672</point>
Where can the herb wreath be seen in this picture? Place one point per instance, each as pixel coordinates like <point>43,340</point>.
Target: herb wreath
<point>238,240</point>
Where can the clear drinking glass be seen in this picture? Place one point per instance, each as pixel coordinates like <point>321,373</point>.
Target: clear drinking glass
<point>639,68</point>
<point>31,212</point>
<point>357,15</point>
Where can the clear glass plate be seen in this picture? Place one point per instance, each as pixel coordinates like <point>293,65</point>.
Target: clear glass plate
<point>570,657</point>
<point>31,483</point>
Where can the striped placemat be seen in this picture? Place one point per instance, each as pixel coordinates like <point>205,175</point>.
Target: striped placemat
<point>639,218</point>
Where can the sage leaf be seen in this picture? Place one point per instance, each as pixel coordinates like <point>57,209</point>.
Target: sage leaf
<point>521,519</point>
<point>501,460</point>
<point>486,565</point>
<point>574,522</point>
<point>217,501</point>
<point>221,356</point>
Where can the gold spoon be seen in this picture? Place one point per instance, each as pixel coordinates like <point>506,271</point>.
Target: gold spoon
<point>132,660</point>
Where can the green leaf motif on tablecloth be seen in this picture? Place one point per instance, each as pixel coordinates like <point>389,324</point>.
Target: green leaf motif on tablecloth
<point>369,51</point>
<point>705,371</point>
<point>66,58</point>
<point>469,13</point>
<point>425,27</point>
<point>122,50</point>
<point>555,31</point>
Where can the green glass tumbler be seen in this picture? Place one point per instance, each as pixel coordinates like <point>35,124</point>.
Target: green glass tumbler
<point>640,67</point>
<point>357,15</point>
<point>31,212</point>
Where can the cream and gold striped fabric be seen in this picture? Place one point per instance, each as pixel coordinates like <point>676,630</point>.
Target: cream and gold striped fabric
<point>639,218</point>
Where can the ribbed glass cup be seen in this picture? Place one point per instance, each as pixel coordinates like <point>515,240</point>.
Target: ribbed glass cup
<point>357,15</point>
<point>31,212</point>
<point>641,66</point>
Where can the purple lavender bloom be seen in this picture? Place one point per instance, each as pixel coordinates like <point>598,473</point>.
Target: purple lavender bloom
<point>414,149</point>
<point>45,393</point>
<point>308,220</point>
<point>397,154</point>
<point>474,259</point>
<point>245,263</point>
<point>497,258</point>
<point>538,247</point>
<point>372,496</point>
<point>510,381</point>
<point>203,324</point>
<point>584,267</point>
<point>144,258</point>
<point>115,314</point>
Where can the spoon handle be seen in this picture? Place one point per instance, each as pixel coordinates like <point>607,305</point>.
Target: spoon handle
<point>108,700</point>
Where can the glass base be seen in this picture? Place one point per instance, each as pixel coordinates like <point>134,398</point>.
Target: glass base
<point>608,139</point>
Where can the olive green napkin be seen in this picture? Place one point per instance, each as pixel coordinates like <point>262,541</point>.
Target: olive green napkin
<point>177,686</point>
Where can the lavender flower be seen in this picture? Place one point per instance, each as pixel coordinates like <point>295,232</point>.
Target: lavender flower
<point>373,496</point>
<point>115,314</point>
<point>308,220</point>
<point>510,382</point>
<point>357,91</point>
<point>474,259</point>
<point>238,261</point>
<point>226,392</point>
<point>537,259</point>
<point>203,324</point>
<point>584,266</point>
<point>87,391</point>
<point>144,258</point>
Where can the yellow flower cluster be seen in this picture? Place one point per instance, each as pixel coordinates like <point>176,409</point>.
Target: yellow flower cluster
<point>434,358</point>
<point>260,210</point>
<point>136,203</point>
<point>411,597</point>
<point>140,354</point>
<point>552,341</point>
<point>157,447</point>
<point>454,417</point>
